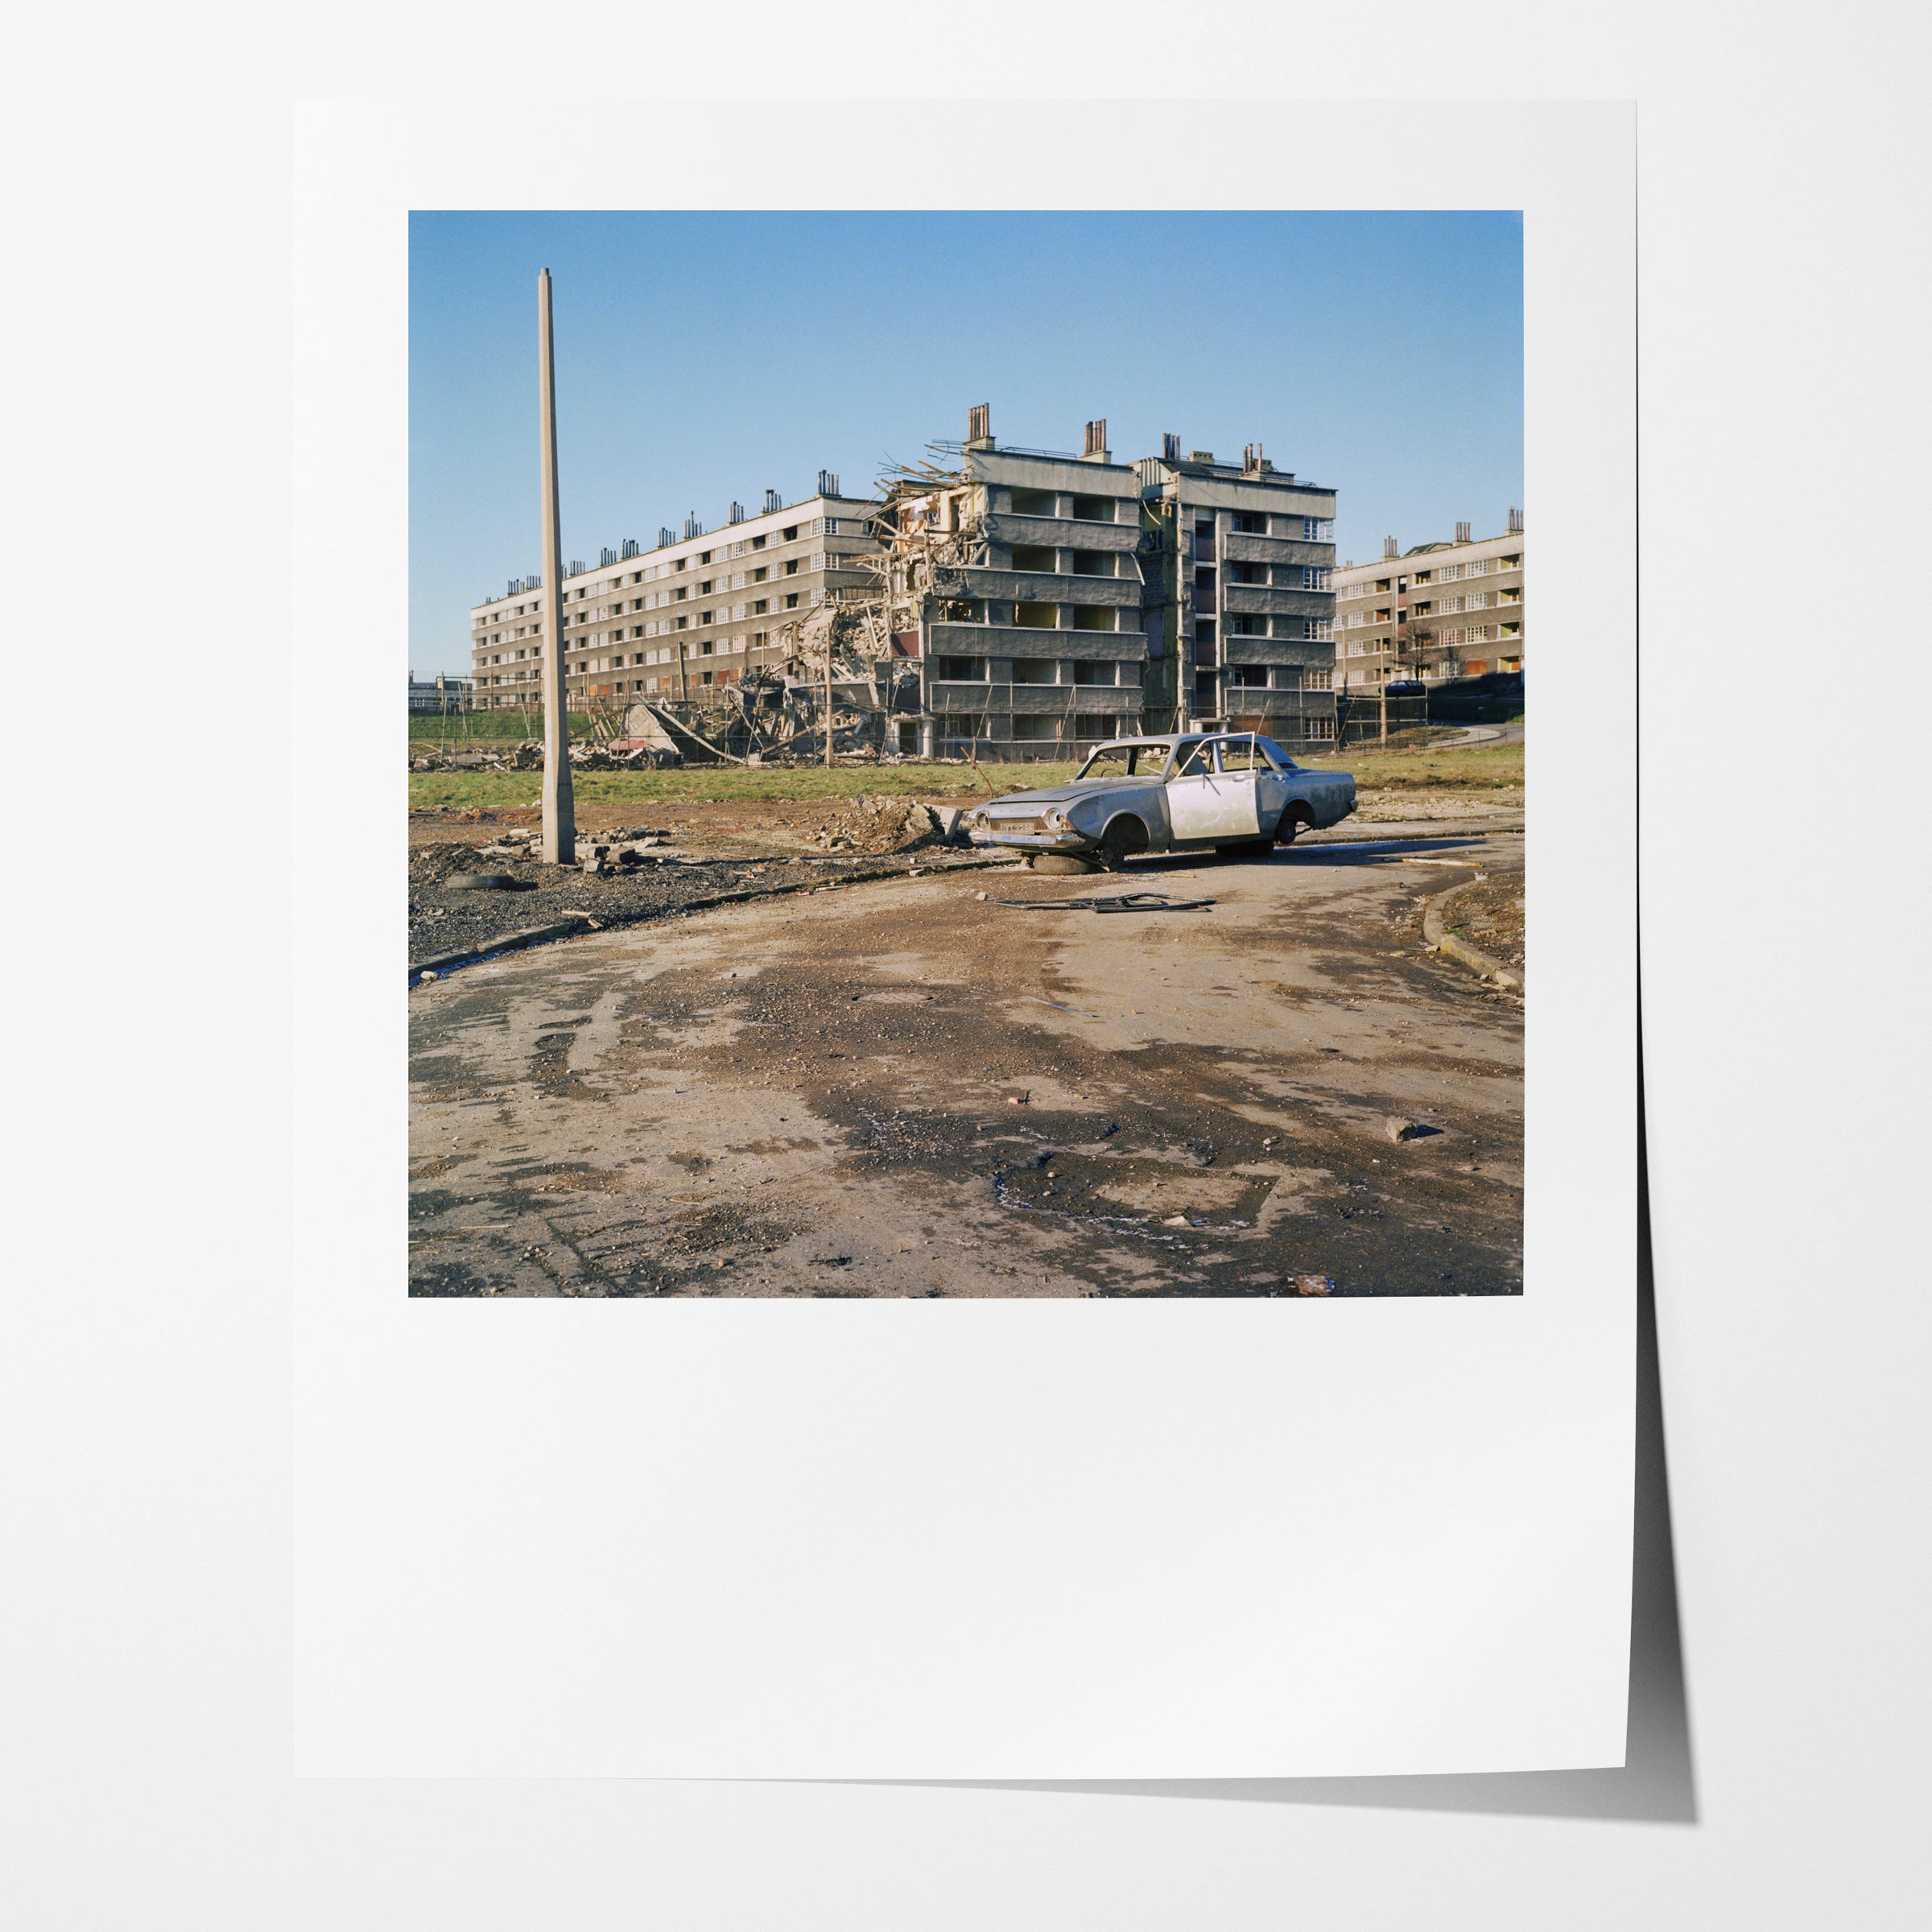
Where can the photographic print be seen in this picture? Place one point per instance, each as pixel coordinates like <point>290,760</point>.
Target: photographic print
<point>966,755</point>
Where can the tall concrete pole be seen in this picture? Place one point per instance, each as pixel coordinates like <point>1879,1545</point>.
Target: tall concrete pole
<point>559,805</point>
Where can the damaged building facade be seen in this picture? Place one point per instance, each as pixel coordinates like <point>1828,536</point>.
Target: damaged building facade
<point>1007,602</point>
<point>1068,599</point>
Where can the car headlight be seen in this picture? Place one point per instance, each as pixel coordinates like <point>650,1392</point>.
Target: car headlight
<point>1056,820</point>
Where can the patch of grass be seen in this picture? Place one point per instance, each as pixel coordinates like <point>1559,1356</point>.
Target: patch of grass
<point>505,790</point>
<point>1468,768</point>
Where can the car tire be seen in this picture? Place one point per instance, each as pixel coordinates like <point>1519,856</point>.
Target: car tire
<point>1125,835</point>
<point>1290,824</point>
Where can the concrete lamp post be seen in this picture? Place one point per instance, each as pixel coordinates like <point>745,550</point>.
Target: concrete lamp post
<point>559,805</point>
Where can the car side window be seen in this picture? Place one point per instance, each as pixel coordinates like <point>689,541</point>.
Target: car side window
<point>1240,756</point>
<point>1197,764</point>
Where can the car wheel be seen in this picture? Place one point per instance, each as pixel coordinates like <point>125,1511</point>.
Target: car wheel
<point>1284,832</point>
<point>1116,843</point>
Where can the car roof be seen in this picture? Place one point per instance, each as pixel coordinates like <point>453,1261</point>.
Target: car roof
<point>1172,738</point>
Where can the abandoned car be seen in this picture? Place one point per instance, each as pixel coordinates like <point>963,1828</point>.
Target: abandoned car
<point>1235,792</point>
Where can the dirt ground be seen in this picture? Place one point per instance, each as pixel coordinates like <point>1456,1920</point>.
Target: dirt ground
<point>903,1088</point>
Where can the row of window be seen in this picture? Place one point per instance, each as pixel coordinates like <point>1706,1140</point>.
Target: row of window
<point>1451,637</point>
<point>819,526</point>
<point>1255,523</point>
<point>1045,671</point>
<point>1081,510</point>
<point>1245,623</point>
<point>1277,576</point>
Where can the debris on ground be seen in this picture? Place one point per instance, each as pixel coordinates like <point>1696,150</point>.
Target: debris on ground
<point>1399,1129</point>
<point>1313,1283</point>
<point>1124,901</point>
<point>1488,915</point>
<point>873,825</point>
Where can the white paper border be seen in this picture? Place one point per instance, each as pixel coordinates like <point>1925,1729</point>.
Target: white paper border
<point>1080,1539</point>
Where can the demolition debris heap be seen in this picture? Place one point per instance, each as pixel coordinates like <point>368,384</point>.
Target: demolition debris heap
<point>1011,602</point>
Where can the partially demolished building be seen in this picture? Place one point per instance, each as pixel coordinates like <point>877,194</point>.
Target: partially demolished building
<point>1000,601</point>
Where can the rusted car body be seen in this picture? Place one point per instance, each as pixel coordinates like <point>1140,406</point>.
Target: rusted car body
<point>1232,791</point>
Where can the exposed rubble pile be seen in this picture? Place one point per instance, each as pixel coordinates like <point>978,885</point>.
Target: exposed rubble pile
<point>873,825</point>
<point>585,755</point>
<point>432,864</point>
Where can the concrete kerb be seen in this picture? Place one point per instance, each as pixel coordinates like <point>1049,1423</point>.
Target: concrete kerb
<point>1478,961</point>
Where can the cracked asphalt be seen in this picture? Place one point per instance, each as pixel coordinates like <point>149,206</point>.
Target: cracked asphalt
<point>899,1089</point>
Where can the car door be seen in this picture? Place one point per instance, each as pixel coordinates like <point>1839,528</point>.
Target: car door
<point>1208,806</point>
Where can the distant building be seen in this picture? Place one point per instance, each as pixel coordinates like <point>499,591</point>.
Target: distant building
<point>693,611</point>
<point>438,693</point>
<point>1437,612</point>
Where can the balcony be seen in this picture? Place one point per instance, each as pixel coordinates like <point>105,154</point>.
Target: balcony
<point>1263,600</point>
<point>1241,548</point>
<point>1063,533</point>
<point>1037,587</point>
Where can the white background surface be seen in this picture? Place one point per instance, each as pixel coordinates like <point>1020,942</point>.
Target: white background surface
<point>991,1540</point>
<point>143,1386</point>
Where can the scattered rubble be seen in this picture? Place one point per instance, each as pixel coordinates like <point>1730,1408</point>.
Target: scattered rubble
<point>586,754</point>
<point>874,825</point>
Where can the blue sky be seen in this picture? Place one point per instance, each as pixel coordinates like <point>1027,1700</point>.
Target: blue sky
<point>705,357</point>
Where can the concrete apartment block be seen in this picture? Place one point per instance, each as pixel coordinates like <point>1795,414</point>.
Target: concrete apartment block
<point>1044,655</point>
<point>1436,612</point>
<point>1097,600</point>
<point>696,611</point>
<point>1241,635</point>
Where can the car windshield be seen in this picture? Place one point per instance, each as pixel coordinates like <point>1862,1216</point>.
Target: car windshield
<point>1123,761</point>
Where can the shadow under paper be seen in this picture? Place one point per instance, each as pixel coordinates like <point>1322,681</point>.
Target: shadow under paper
<point>1656,1783</point>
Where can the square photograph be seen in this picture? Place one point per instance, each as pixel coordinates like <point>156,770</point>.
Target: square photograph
<point>1085,858</point>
